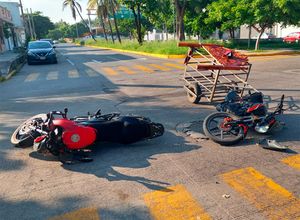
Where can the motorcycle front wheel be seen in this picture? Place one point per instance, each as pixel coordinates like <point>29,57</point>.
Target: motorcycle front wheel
<point>215,128</point>
<point>23,136</point>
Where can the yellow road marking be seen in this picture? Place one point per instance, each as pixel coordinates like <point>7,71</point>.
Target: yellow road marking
<point>174,65</point>
<point>32,77</point>
<point>159,67</point>
<point>84,213</point>
<point>73,74</point>
<point>174,203</point>
<point>52,75</point>
<point>293,161</point>
<point>269,197</point>
<point>110,71</point>
<point>126,70</point>
<point>143,68</point>
<point>91,73</point>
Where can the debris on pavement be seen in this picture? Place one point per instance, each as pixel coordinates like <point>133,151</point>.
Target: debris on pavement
<point>271,144</point>
<point>226,196</point>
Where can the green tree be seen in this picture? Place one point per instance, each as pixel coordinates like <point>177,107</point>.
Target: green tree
<point>76,9</point>
<point>223,14</point>
<point>267,13</point>
<point>42,24</point>
<point>94,4</point>
<point>135,7</point>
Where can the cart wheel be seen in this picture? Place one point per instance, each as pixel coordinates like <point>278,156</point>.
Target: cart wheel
<point>196,90</point>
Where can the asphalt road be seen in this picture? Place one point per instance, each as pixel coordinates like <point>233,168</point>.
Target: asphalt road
<point>176,175</point>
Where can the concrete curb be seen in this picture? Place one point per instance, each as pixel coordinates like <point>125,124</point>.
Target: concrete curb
<point>250,54</point>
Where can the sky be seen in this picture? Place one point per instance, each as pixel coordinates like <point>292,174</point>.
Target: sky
<point>53,9</point>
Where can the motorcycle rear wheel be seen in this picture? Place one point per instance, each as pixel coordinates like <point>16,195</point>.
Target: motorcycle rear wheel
<point>23,136</point>
<point>215,130</point>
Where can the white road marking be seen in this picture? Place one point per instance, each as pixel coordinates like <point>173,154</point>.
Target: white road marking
<point>52,75</point>
<point>32,77</point>
<point>71,62</point>
<point>113,58</point>
<point>96,61</point>
<point>73,74</point>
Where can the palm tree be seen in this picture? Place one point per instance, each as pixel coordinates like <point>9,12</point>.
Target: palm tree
<point>114,5</point>
<point>94,4</point>
<point>103,6</point>
<point>76,9</point>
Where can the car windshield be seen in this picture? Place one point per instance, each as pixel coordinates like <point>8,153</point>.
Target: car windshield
<point>39,45</point>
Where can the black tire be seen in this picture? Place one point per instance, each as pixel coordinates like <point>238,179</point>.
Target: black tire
<point>236,134</point>
<point>194,89</point>
<point>26,139</point>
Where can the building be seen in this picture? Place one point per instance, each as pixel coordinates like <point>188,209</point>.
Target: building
<point>5,21</point>
<point>12,28</point>
<point>276,30</point>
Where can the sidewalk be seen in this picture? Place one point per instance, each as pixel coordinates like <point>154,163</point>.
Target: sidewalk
<point>9,61</point>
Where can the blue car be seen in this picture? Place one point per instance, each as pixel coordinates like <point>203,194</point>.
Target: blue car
<point>41,52</point>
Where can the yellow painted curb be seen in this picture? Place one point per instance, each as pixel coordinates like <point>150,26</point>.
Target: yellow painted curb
<point>272,53</point>
<point>183,55</point>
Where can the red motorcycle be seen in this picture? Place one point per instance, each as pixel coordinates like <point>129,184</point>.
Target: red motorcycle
<point>236,115</point>
<point>62,136</point>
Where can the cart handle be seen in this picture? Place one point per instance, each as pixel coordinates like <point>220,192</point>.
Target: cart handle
<point>190,44</point>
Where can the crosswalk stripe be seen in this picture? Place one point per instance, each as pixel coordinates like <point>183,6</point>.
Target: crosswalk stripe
<point>73,74</point>
<point>32,77</point>
<point>52,75</point>
<point>270,198</point>
<point>83,213</point>
<point>174,65</point>
<point>293,161</point>
<point>174,203</point>
<point>143,68</point>
<point>109,71</point>
<point>159,67</point>
<point>91,73</point>
<point>126,70</point>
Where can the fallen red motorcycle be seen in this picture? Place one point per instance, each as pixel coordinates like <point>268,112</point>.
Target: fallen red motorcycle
<point>55,133</point>
<point>236,115</point>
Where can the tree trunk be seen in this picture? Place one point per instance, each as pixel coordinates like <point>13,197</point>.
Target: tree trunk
<point>137,24</point>
<point>85,23</point>
<point>111,31</point>
<point>140,23</point>
<point>258,39</point>
<point>115,21</point>
<point>180,10</point>
<point>103,26</point>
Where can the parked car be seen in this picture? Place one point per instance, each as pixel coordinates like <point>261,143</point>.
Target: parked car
<point>266,36</point>
<point>41,52</point>
<point>292,38</point>
<point>49,40</point>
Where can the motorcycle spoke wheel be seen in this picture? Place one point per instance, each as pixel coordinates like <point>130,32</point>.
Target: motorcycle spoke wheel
<point>215,128</point>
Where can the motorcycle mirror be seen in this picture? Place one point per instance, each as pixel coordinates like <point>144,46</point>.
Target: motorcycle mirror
<point>66,110</point>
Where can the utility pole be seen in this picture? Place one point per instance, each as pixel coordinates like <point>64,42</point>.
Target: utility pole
<point>23,18</point>
<point>29,24</point>
<point>33,28</point>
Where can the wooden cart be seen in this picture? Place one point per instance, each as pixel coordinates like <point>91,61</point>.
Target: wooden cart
<point>212,70</point>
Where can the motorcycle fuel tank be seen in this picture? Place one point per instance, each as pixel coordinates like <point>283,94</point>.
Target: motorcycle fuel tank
<point>76,136</point>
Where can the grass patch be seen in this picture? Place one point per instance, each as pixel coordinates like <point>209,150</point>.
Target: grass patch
<point>171,48</point>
